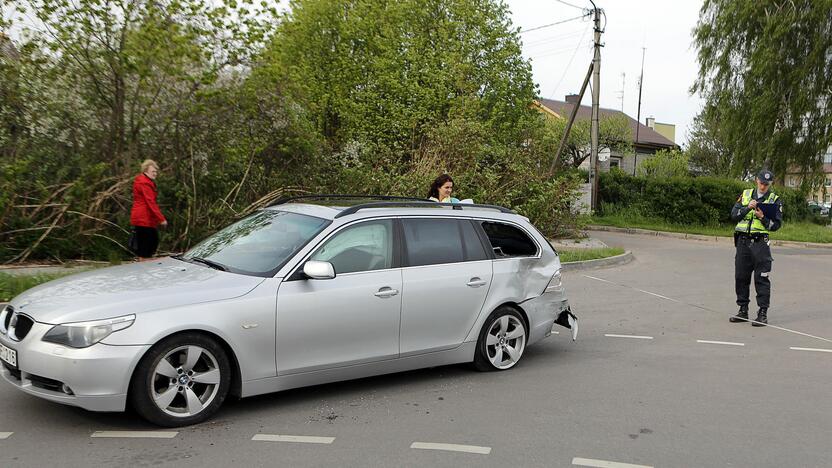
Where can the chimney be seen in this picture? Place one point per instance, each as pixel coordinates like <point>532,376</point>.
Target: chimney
<point>650,122</point>
<point>572,98</point>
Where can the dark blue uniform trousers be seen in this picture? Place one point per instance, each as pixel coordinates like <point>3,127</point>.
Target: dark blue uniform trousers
<point>752,257</point>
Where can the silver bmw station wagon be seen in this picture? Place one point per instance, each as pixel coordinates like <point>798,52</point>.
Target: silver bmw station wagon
<point>299,293</point>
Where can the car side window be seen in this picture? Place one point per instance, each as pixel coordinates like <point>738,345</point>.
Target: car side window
<point>366,246</point>
<point>508,241</point>
<point>432,241</point>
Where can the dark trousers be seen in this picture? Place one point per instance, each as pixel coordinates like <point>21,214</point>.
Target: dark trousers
<point>753,256</point>
<point>148,241</point>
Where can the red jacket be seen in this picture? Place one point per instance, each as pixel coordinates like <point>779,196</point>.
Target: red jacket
<point>145,211</point>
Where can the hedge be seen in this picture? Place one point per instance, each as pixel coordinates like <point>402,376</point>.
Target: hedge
<point>686,200</point>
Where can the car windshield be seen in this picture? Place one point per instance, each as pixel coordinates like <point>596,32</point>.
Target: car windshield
<point>258,244</point>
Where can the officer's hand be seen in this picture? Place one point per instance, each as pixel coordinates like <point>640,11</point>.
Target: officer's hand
<point>758,213</point>
<point>752,204</point>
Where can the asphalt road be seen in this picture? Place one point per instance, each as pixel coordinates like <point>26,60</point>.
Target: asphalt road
<point>654,396</point>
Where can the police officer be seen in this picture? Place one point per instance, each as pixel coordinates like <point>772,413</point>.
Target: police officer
<point>753,252</point>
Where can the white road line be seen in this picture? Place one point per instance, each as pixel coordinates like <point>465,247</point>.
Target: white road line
<point>604,463</point>
<point>704,308</point>
<point>135,434</point>
<point>657,295</point>
<point>638,337</point>
<point>729,343</point>
<point>601,279</point>
<point>293,438</point>
<point>451,447</point>
<point>5,435</point>
<point>819,350</point>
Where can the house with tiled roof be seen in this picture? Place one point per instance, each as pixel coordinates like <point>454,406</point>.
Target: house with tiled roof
<point>647,138</point>
<point>819,192</point>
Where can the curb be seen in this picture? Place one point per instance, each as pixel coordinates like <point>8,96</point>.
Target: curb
<point>622,259</point>
<point>701,237</point>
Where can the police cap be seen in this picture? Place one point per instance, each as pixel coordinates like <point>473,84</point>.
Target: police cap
<point>765,176</point>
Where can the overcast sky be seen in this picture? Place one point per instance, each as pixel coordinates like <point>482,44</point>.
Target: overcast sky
<point>561,54</point>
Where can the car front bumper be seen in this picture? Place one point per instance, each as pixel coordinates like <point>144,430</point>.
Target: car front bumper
<point>94,378</point>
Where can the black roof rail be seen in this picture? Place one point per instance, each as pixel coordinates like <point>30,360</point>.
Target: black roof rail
<point>332,196</point>
<point>421,204</point>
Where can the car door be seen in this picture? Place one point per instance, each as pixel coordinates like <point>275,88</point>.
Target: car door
<point>446,276</point>
<point>350,319</point>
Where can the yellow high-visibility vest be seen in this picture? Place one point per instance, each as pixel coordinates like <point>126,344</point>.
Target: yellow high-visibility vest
<point>750,224</point>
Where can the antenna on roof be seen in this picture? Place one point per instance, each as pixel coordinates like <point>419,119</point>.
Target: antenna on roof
<point>623,87</point>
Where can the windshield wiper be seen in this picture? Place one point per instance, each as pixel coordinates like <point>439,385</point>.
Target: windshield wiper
<point>211,264</point>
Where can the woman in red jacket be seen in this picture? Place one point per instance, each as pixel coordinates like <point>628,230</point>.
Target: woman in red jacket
<point>145,216</point>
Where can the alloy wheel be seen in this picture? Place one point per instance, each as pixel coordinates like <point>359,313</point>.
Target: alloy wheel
<point>185,381</point>
<point>505,341</point>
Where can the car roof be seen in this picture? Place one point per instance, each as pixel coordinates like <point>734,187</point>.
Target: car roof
<point>331,212</point>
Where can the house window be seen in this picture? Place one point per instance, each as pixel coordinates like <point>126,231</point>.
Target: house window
<point>827,158</point>
<point>792,181</point>
<point>615,162</point>
<point>828,182</point>
<point>827,198</point>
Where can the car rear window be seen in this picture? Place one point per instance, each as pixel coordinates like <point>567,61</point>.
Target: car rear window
<point>508,240</point>
<point>436,241</point>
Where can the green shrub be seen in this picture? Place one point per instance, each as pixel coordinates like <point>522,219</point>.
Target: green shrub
<point>686,200</point>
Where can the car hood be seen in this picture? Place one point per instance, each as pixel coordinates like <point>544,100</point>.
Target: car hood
<point>130,289</point>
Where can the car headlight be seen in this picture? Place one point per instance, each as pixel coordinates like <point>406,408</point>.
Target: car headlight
<point>555,284</point>
<point>84,334</point>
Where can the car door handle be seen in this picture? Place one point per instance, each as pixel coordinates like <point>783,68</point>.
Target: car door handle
<point>476,282</point>
<point>386,292</point>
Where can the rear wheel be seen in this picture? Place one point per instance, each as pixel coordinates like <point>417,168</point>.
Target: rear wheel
<point>502,340</point>
<point>182,380</point>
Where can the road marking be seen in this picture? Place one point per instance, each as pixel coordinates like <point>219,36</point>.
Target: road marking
<point>819,350</point>
<point>788,330</point>
<point>729,343</point>
<point>657,295</point>
<point>135,434</point>
<point>638,337</point>
<point>604,463</point>
<point>451,447</point>
<point>293,438</point>
<point>5,435</point>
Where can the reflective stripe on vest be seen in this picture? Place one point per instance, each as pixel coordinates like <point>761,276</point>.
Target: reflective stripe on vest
<point>750,224</point>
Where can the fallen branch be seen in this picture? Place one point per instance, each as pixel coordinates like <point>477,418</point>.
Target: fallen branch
<point>25,254</point>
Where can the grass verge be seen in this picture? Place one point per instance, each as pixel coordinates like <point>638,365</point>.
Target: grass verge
<point>580,255</point>
<point>12,285</point>
<point>799,232</point>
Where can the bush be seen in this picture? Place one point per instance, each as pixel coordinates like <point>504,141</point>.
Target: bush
<point>686,200</point>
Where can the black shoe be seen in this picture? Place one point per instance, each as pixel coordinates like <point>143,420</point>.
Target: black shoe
<point>742,316</point>
<point>762,318</point>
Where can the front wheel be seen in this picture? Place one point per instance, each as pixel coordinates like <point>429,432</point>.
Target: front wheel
<point>502,340</point>
<point>182,380</point>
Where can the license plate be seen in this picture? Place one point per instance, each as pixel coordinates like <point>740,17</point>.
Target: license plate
<point>8,355</point>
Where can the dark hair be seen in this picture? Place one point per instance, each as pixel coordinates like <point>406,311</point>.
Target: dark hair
<point>440,181</point>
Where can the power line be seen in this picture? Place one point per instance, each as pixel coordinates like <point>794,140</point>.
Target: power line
<point>553,24</point>
<point>570,4</point>
<point>565,71</point>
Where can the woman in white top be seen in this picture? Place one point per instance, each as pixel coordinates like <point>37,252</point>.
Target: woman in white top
<point>441,189</point>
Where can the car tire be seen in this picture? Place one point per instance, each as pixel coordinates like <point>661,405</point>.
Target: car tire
<point>502,340</point>
<point>182,380</point>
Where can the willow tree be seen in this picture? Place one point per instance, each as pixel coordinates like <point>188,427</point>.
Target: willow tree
<point>765,70</point>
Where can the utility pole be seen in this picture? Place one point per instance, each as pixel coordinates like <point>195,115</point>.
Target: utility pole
<point>596,93</point>
<point>638,115</point>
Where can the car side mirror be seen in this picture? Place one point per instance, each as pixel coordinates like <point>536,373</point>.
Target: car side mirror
<point>315,269</point>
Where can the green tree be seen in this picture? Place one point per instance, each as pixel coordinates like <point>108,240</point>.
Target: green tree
<point>766,71</point>
<point>709,155</point>
<point>613,134</point>
<point>382,74</point>
<point>665,163</point>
